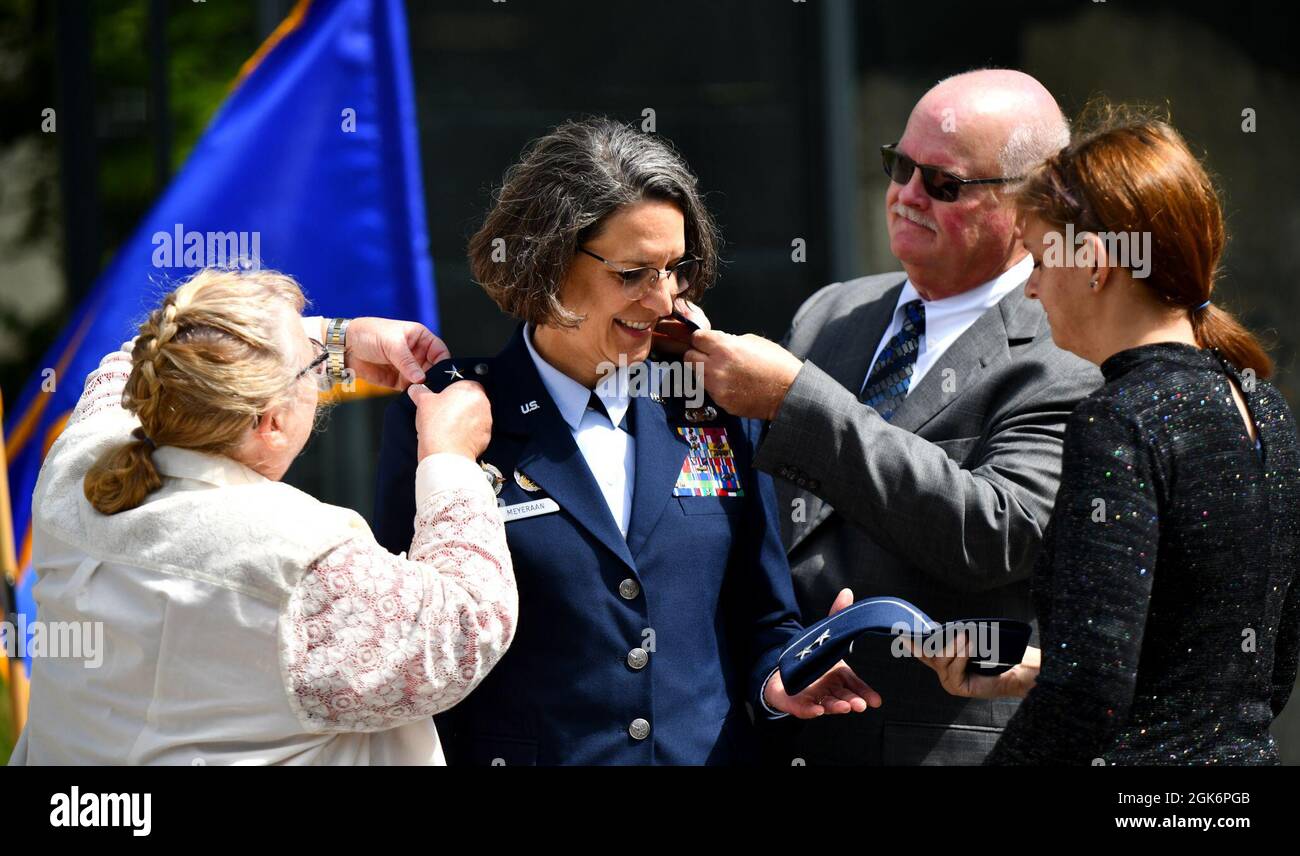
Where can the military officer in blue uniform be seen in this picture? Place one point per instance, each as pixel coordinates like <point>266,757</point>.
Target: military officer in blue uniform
<point>655,597</point>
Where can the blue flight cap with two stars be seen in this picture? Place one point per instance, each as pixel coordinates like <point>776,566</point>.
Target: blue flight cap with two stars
<point>999,642</point>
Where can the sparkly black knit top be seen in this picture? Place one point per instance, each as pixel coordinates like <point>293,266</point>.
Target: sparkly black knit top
<point>1166,591</point>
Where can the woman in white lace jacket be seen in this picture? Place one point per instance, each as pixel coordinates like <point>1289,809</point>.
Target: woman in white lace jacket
<point>242,620</point>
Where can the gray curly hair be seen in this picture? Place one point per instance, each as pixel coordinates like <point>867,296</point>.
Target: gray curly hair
<point>559,195</point>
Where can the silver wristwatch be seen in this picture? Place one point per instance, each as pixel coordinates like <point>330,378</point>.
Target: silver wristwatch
<point>336,331</point>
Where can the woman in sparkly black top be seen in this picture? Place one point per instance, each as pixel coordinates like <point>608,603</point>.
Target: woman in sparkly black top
<point>1166,590</point>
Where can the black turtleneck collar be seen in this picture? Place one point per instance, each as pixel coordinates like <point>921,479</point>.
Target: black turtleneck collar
<point>1123,362</point>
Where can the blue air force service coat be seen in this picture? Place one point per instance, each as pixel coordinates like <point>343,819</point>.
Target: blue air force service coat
<point>636,650</point>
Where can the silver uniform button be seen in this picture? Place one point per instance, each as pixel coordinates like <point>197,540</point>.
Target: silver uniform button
<point>629,589</point>
<point>637,658</point>
<point>639,729</point>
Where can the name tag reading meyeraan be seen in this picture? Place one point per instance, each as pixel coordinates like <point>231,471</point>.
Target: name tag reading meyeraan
<point>521,510</point>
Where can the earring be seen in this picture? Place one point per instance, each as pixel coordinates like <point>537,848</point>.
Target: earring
<point>1093,284</point>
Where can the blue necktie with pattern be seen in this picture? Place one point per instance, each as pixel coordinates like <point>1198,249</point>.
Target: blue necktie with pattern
<point>887,384</point>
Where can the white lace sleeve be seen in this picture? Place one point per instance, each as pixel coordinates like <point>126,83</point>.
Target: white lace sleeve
<point>377,640</point>
<point>103,389</point>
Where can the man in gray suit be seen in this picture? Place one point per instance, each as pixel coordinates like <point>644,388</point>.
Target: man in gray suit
<point>916,419</point>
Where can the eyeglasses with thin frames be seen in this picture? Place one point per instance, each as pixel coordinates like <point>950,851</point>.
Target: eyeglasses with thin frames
<point>318,367</point>
<point>638,281</point>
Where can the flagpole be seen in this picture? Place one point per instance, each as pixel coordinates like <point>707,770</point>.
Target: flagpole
<point>16,674</point>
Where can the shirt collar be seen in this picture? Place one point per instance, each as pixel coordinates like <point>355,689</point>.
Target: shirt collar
<point>200,466</point>
<point>969,304</point>
<point>572,397</point>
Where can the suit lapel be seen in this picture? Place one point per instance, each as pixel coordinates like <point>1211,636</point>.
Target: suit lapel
<point>660,452</point>
<point>986,344</point>
<point>845,355</point>
<point>550,456</point>
<point>959,369</point>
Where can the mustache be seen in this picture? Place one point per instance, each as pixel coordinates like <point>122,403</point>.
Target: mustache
<point>915,216</point>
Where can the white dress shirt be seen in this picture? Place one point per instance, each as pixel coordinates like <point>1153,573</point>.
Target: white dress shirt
<point>946,319</point>
<point>610,452</point>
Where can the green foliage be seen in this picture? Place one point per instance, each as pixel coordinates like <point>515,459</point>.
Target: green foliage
<point>206,45</point>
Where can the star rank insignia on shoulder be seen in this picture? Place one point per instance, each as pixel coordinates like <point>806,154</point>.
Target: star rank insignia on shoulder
<point>449,371</point>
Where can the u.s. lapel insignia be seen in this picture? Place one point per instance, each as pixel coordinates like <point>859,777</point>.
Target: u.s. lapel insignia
<point>454,374</point>
<point>701,414</point>
<point>526,483</point>
<point>494,477</point>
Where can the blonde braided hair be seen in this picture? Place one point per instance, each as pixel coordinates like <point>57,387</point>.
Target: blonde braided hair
<point>206,364</point>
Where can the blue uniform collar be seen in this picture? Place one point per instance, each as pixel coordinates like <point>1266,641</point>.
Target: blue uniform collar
<point>522,405</point>
<point>569,396</point>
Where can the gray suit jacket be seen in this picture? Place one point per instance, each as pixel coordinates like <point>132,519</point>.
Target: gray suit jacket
<point>945,505</point>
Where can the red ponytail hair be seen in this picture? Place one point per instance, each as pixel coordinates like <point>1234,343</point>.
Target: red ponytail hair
<point>1130,171</point>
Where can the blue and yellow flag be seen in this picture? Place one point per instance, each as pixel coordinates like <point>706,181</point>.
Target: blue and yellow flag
<point>310,167</point>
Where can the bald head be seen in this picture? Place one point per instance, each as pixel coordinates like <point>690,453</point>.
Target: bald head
<point>994,123</point>
<point>997,119</point>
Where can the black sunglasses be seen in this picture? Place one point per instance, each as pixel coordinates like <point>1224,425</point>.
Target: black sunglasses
<point>938,183</point>
<point>638,281</point>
